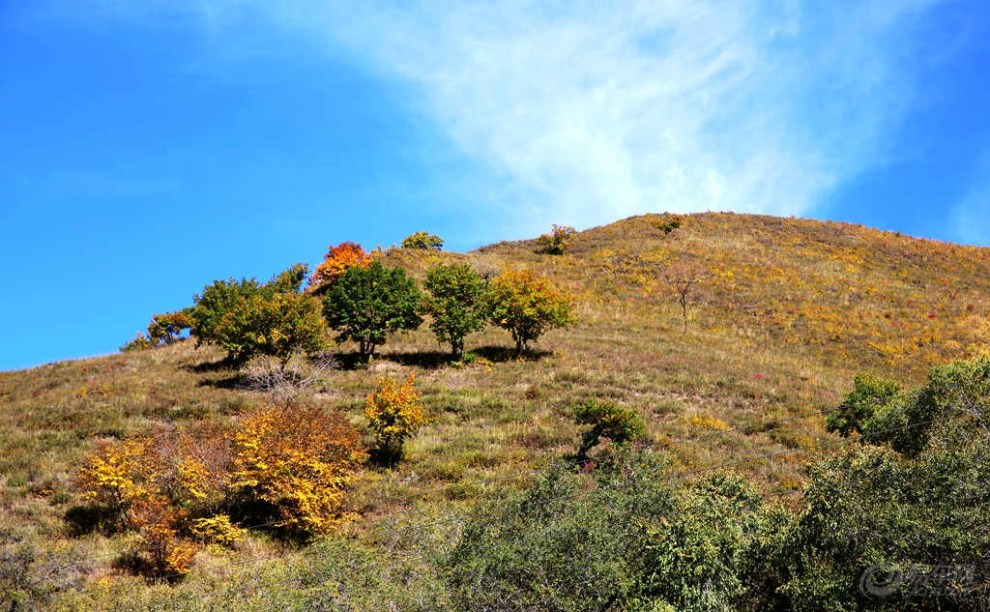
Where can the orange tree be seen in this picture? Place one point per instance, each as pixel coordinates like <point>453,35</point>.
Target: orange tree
<point>527,305</point>
<point>337,260</point>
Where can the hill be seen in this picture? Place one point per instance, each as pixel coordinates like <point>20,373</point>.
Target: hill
<point>784,313</point>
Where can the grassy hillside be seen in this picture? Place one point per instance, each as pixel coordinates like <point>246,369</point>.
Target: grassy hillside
<point>785,312</point>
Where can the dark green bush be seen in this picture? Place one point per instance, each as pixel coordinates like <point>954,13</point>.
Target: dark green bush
<point>607,420</point>
<point>455,301</point>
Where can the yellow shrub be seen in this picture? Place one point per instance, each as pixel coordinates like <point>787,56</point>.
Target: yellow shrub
<point>113,476</point>
<point>395,413</point>
<point>300,461</point>
<point>217,529</point>
<point>708,422</point>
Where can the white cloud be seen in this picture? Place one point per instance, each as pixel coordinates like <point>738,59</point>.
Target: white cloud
<point>592,111</point>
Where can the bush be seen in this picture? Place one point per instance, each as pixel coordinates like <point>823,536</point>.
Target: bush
<point>869,395</point>
<point>608,420</point>
<point>558,240</point>
<point>395,413</point>
<point>423,240</point>
<point>629,538</point>
<point>335,263</point>
<point>527,305</point>
<point>298,462</point>
<point>455,302</point>
<point>367,304</point>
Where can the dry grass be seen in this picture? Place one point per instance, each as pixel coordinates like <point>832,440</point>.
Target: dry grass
<point>788,311</point>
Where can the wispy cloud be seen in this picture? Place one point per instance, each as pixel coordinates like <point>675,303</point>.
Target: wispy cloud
<point>590,111</point>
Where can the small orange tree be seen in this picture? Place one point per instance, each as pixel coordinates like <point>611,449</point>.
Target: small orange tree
<point>527,305</point>
<point>337,260</point>
<point>395,413</point>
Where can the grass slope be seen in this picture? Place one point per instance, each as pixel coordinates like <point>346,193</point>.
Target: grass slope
<point>788,310</point>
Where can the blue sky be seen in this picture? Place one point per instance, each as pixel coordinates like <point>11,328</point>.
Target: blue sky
<point>150,147</point>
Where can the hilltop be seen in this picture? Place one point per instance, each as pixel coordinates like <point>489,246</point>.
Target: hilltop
<point>786,311</point>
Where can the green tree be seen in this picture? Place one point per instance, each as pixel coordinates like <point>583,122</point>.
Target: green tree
<point>455,302</point>
<point>423,240</point>
<point>247,318</point>
<point>527,305</point>
<point>367,304</point>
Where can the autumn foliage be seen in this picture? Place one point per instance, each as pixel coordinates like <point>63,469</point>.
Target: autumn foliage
<point>558,240</point>
<point>299,461</point>
<point>395,413</point>
<point>527,305</point>
<point>337,261</point>
<point>289,468</point>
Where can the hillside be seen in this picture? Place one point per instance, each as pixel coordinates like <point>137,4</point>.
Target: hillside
<point>786,311</point>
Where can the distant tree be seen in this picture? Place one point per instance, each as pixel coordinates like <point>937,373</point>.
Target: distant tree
<point>558,240</point>
<point>527,305</point>
<point>337,261</point>
<point>283,325</point>
<point>682,280</point>
<point>167,328</point>
<point>423,240</point>
<point>455,301</point>
<point>367,304</point>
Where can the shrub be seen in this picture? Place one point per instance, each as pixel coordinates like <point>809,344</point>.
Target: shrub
<point>423,240</point>
<point>140,342</point>
<point>367,304</point>
<point>395,414</point>
<point>455,301</point>
<point>337,261</point>
<point>527,305</point>
<point>299,463</point>
<point>113,478</point>
<point>558,240</point>
<point>217,529</point>
<point>628,539</point>
<point>869,395</point>
<point>608,420</point>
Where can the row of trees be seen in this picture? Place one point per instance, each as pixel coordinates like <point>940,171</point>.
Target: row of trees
<point>363,301</point>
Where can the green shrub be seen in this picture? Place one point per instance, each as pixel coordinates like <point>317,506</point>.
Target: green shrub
<point>869,395</point>
<point>608,420</point>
